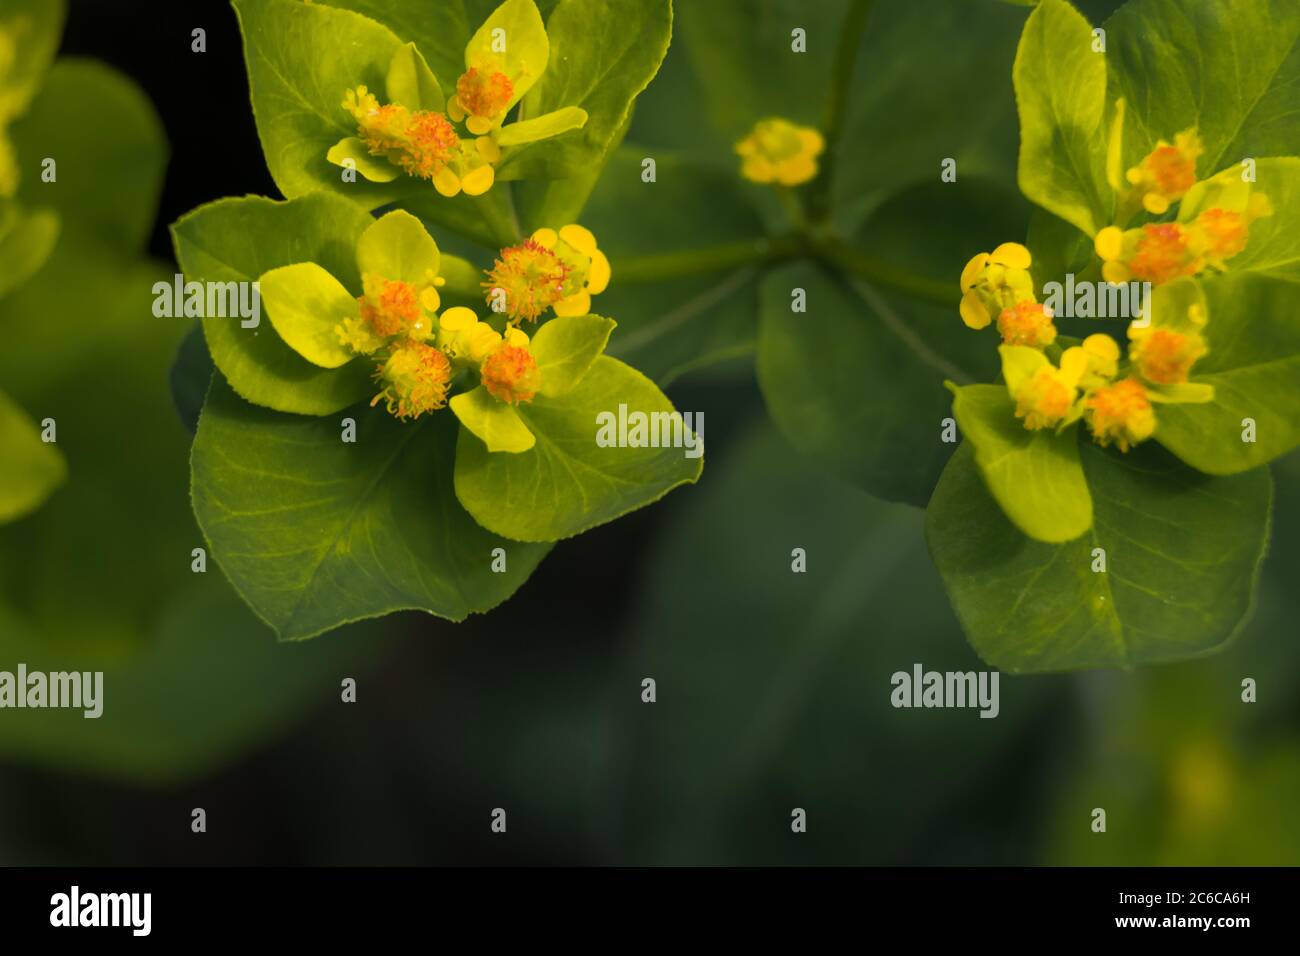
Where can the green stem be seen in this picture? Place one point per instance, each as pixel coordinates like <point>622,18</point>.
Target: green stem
<point>719,258</point>
<point>882,274</point>
<point>846,57</point>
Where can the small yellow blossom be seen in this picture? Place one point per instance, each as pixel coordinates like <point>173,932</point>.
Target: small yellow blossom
<point>993,282</point>
<point>1045,396</point>
<point>1120,413</point>
<point>552,269</point>
<point>1166,174</point>
<point>1155,253</point>
<point>415,379</point>
<point>483,94</point>
<point>510,374</point>
<point>587,269</point>
<point>778,151</point>
<point>1163,356</point>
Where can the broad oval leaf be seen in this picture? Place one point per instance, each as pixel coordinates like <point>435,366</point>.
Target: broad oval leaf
<point>315,532</point>
<point>1034,475</point>
<point>26,241</point>
<point>568,483</point>
<point>1181,553</point>
<point>565,348</point>
<point>1060,83</point>
<point>237,240</point>
<point>1254,365</point>
<point>396,246</point>
<point>603,54</point>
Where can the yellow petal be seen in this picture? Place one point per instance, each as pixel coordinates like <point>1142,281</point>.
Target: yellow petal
<point>580,238</point>
<point>1102,346</point>
<point>457,319</point>
<point>478,125</point>
<point>479,181</point>
<point>482,340</point>
<point>970,275</point>
<point>577,304</point>
<point>1155,203</point>
<point>973,311</point>
<point>447,182</point>
<point>1074,362</point>
<point>545,237</point>
<point>599,274</point>
<point>796,171</point>
<point>757,169</point>
<point>517,337</point>
<point>1012,255</point>
<point>1109,243</point>
<point>454,110</point>
<point>430,299</point>
<point>811,141</point>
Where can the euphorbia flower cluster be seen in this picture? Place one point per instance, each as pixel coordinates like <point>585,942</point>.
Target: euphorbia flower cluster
<point>455,143</point>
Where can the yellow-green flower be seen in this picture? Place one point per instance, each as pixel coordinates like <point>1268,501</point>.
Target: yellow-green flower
<point>778,151</point>
<point>552,269</point>
<point>1045,396</point>
<point>995,281</point>
<point>1120,414</point>
<point>1166,173</point>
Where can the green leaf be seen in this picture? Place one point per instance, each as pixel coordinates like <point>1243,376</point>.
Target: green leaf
<point>1273,243</point>
<point>26,241</point>
<point>565,348</point>
<point>491,421</point>
<point>1230,70</point>
<point>1254,365</point>
<point>411,82</point>
<point>315,532</point>
<point>697,319</point>
<point>396,246</point>
<point>240,239</point>
<point>605,52</point>
<point>305,305</point>
<point>110,160</point>
<point>855,384</point>
<point>1182,554</point>
<point>1061,93</point>
<point>568,483</point>
<point>302,59</point>
<point>538,128</point>
<point>752,716</point>
<point>29,37</point>
<point>31,469</point>
<point>1034,475</point>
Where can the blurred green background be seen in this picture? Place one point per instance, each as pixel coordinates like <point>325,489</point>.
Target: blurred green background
<point>772,687</point>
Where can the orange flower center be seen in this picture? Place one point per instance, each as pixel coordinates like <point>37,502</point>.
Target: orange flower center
<point>1162,254</point>
<point>415,378</point>
<point>1120,413</point>
<point>483,93</point>
<point>1166,357</point>
<point>1224,232</point>
<point>1027,323</point>
<point>395,309</point>
<point>530,276</point>
<point>510,373</point>
<point>1044,399</point>
<point>1172,171</point>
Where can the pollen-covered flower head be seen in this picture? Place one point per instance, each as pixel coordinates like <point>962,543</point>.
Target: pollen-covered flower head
<point>483,94</point>
<point>1120,414</point>
<point>778,151</point>
<point>993,282</point>
<point>526,280</point>
<point>415,378</point>
<point>587,270</point>
<point>1166,173</point>
<point>1027,323</point>
<point>1045,396</point>
<point>510,373</point>
<point>421,143</point>
<point>1155,253</point>
<point>1164,349</point>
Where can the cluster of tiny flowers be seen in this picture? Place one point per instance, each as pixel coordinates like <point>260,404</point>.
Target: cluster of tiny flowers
<point>553,269</point>
<point>778,151</point>
<point>424,144</point>
<point>1114,395</point>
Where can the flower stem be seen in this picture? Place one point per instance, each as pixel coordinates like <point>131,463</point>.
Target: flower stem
<point>846,56</point>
